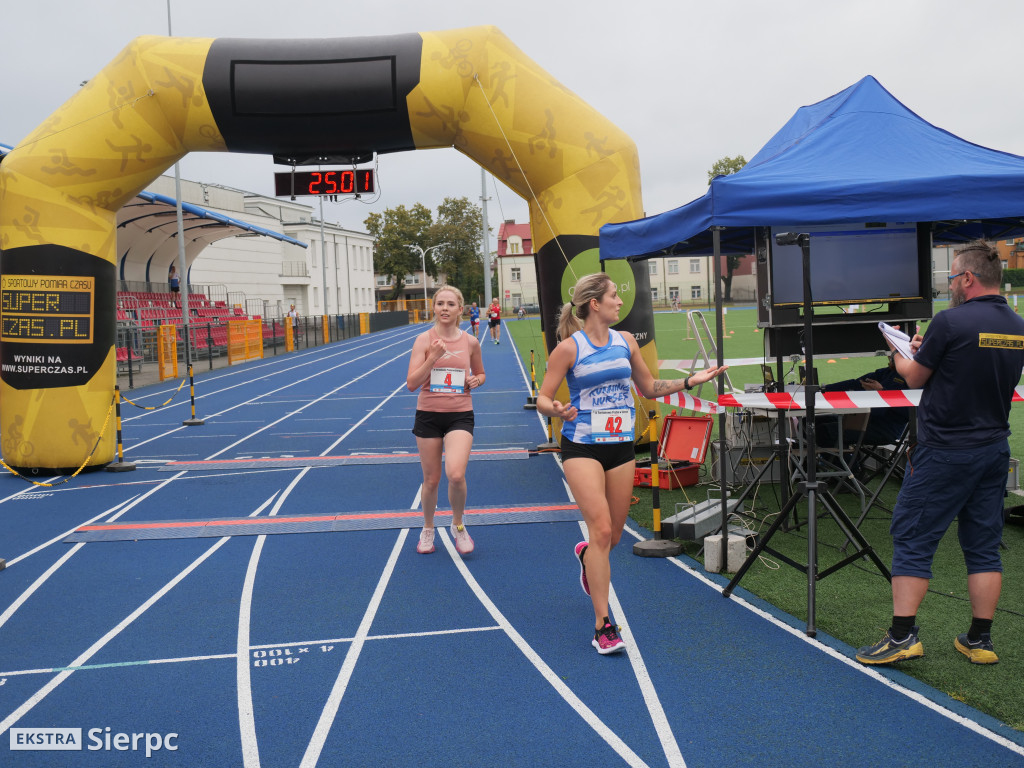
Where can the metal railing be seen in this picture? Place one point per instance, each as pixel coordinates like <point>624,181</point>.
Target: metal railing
<point>138,345</point>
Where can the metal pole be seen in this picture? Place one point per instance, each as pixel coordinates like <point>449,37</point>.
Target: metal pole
<point>723,464</point>
<point>182,273</point>
<point>323,253</point>
<point>423,261</point>
<point>485,238</point>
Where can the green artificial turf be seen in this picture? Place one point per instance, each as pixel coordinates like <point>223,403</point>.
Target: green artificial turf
<point>853,604</point>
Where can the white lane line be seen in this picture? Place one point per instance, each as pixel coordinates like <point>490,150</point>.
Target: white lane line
<point>283,370</point>
<point>246,710</point>
<point>38,583</point>
<point>257,398</point>
<point>359,423</point>
<point>43,692</point>
<point>283,365</point>
<point>29,489</point>
<point>650,694</point>
<point>62,536</point>
<point>873,673</point>
<point>330,711</point>
<point>606,733</point>
<point>310,404</point>
<point>113,664</point>
<point>643,678</point>
<point>234,655</point>
<point>246,714</point>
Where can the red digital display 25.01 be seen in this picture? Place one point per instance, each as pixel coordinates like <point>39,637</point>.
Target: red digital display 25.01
<point>353,181</point>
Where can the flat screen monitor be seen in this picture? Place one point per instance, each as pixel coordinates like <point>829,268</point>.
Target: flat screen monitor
<point>850,264</point>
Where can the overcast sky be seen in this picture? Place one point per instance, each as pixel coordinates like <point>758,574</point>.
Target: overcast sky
<point>688,82</point>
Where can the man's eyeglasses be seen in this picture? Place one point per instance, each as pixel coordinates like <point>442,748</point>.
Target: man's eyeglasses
<point>951,278</point>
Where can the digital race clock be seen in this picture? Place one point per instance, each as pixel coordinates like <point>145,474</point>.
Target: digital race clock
<point>353,181</point>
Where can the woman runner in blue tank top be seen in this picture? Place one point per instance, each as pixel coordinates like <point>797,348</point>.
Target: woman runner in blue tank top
<point>598,363</point>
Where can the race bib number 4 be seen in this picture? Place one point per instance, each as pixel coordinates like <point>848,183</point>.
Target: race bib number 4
<point>612,425</point>
<point>448,380</point>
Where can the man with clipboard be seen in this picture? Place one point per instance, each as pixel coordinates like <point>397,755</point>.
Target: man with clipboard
<point>967,366</point>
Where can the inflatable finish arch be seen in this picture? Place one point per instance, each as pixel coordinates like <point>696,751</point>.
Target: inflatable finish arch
<point>161,98</point>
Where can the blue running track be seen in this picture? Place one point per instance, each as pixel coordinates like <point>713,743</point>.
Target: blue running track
<point>165,611</point>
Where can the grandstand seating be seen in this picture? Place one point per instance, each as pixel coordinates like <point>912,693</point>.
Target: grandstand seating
<point>124,354</point>
<point>207,325</point>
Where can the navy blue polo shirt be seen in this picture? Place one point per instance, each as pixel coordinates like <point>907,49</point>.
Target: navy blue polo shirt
<point>975,352</point>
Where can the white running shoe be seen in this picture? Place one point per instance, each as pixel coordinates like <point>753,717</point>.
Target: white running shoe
<point>463,541</point>
<point>426,542</point>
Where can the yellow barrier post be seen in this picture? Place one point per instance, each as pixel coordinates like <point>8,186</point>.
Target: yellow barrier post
<point>656,547</point>
<point>531,401</point>
<point>193,422</point>
<point>120,465</point>
<point>327,328</point>
<point>289,335</point>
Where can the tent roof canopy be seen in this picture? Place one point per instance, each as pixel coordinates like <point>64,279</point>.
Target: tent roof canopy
<point>159,207</point>
<point>857,156</point>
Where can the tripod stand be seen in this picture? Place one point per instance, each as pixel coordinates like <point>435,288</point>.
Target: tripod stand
<point>809,488</point>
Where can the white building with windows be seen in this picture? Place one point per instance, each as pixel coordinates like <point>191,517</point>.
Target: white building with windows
<point>333,275</point>
<point>689,279</point>
<point>517,273</point>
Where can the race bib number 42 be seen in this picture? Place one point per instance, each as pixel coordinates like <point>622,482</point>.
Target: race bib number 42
<point>448,380</point>
<point>612,425</point>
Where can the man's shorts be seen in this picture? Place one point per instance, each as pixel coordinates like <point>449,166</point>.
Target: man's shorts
<point>608,455</point>
<point>946,483</point>
<point>439,423</point>
<point>492,323</point>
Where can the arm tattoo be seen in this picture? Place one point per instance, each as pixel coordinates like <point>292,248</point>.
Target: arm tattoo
<point>660,385</point>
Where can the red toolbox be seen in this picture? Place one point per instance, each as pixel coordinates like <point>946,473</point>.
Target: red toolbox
<point>681,473</point>
<point>684,444</point>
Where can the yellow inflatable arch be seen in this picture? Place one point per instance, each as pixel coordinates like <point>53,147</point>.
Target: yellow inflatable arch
<point>161,98</point>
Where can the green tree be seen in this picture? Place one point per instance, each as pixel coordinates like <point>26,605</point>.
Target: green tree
<point>725,166</point>
<point>393,232</point>
<point>458,224</point>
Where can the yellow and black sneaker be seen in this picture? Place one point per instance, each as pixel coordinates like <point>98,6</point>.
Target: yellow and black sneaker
<point>888,651</point>
<point>979,652</point>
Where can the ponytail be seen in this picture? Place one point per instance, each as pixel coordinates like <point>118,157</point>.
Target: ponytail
<point>568,322</point>
<point>573,313</point>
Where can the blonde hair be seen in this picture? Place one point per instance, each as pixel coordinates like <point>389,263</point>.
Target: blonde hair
<point>452,290</point>
<point>587,288</point>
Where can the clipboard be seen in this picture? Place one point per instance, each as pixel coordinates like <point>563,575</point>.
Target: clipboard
<point>900,341</point>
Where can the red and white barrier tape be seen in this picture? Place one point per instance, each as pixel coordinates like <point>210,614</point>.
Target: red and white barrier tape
<point>825,401</point>
<point>689,403</point>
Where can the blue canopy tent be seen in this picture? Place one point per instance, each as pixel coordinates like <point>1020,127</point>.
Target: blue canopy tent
<point>859,156</point>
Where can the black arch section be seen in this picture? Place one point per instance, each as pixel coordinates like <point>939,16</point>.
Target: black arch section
<point>306,100</point>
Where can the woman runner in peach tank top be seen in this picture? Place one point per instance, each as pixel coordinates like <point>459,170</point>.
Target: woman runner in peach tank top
<point>445,365</point>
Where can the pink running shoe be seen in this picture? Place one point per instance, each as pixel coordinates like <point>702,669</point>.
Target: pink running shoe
<point>607,640</point>
<point>426,543</point>
<point>463,541</point>
<point>581,549</point>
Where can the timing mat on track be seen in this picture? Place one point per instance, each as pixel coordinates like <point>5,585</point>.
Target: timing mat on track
<point>357,521</point>
<point>299,462</point>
